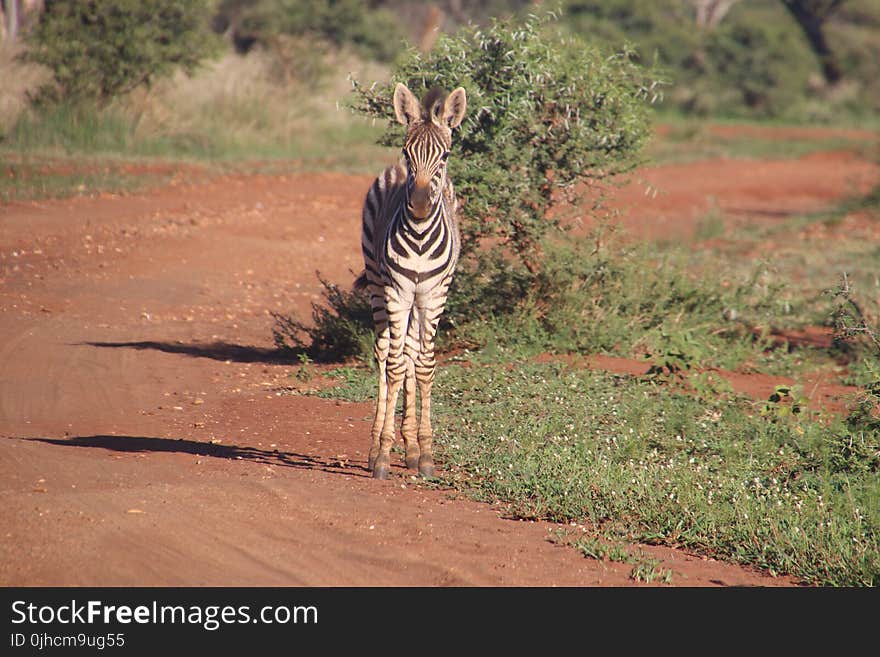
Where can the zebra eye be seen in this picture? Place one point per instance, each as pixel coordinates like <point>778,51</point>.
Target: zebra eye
<point>445,156</point>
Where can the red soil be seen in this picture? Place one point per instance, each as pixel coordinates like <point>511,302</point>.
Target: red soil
<point>142,439</point>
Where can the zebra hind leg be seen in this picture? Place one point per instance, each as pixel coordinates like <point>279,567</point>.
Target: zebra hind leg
<point>424,370</point>
<point>381,354</point>
<point>426,434</point>
<point>409,428</point>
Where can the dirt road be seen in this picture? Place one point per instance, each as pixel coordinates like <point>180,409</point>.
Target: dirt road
<point>142,437</point>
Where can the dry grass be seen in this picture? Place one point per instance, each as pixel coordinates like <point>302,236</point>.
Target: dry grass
<point>248,103</point>
<point>18,78</point>
<point>285,103</point>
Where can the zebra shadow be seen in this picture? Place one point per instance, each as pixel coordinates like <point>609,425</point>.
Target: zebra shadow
<point>338,333</point>
<point>146,444</point>
<point>219,350</point>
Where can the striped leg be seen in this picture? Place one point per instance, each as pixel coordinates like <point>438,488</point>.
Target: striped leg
<point>383,341</point>
<point>409,428</point>
<point>424,370</point>
<point>410,423</point>
<point>396,365</point>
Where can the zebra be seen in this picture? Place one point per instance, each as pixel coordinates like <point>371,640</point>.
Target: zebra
<point>411,243</point>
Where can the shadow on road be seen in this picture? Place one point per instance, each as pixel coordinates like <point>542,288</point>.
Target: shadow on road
<point>215,350</point>
<point>135,444</point>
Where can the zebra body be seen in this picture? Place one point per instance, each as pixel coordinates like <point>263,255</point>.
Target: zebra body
<point>411,242</point>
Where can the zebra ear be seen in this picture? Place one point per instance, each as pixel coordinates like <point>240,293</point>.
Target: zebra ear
<point>454,107</point>
<point>406,106</point>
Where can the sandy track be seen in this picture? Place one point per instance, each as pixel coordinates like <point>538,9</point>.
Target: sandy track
<point>142,441</point>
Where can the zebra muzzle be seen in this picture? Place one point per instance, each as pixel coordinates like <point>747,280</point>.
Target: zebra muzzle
<point>420,202</point>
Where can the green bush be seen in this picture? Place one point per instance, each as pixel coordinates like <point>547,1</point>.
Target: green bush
<point>340,329</point>
<point>100,49</point>
<point>547,118</point>
<point>547,115</point>
<point>615,300</point>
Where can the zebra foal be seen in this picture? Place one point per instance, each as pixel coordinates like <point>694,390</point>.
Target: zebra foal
<point>411,243</point>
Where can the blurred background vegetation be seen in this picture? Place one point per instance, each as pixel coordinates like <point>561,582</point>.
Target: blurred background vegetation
<point>264,78</point>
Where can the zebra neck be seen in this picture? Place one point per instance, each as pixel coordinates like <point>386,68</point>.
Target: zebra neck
<point>420,229</point>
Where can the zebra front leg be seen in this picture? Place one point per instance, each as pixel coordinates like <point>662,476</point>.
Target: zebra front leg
<point>409,428</point>
<point>395,373</point>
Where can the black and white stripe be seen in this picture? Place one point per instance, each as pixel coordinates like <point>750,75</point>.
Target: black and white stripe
<point>410,242</point>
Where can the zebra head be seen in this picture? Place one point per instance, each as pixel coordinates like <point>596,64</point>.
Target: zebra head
<point>429,126</point>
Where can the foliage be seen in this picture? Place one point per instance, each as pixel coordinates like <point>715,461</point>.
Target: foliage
<point>759,65</point>
<point>99,49</point>
<point>783,404</point>
<point>851,322</point>
<point>755,62</point>
<point>856,331</point>
<point>546,115</point>
<point>372,32</point>
<point>341,328</point>
<point>621,300</point>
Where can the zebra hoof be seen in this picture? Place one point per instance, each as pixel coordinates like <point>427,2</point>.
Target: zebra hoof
<point>412,461</point>
<point>426,467</point>
<point>380,469</point>
<point>375,452</point>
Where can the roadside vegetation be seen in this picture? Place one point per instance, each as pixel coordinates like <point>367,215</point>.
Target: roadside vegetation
<point>673,457</point>
<point>562,106</point>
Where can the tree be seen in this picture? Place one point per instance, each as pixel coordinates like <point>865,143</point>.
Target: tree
<point>811,16</point>
<point>16,15</point>
<point>99,49</point>
<point>374,32</point>
<point>711,12</point>
<point>10,25</point>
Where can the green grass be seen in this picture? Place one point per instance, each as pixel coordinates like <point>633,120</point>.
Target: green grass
<point>71,152</point>
<point>689,139</point>
<point>772,484</point>
<point>339,142</point>
<point>796,494</point>
<point>35,177</point>
<point>644,568</point>
<point>623,301</point>
<point>236,114</point>
<point>355,385</point>
<point>630,301</point>
<point>804,255</point>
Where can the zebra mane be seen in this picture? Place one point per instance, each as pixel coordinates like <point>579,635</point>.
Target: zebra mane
<point>432,104</point>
